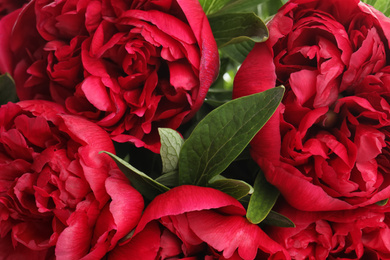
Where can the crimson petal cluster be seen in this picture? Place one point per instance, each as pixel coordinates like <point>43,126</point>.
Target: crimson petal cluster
<point>350,234</point>
<point>129,66</point>
<point>327,147</point>
<point>58,195</point>
<point>189,222</point>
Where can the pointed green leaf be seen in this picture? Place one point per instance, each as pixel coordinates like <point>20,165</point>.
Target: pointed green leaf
<point>383,6</point>
<point>171,143</point>
<point>380,5</point>
<point>238,27</point>
<point>217,97</point>
<point>382,202</point>
<point>222,135</point>
<point>7,89</point>
<point>127,237</point>
<point>240,6</point>
<point>370,2</point>
<point>238,51</point>
<point>270,8</point>
<point>212,6</point>
<point>170,179</point>
<point>235,188</point>
<point>277,219</point>
<point>139,180</point>
<point>262,200</point>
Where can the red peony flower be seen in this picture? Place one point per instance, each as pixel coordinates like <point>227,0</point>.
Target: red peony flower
<point>327,146</point>
<point>129,66</point>
<point>59,198</point>
<point>350,234</point>
<point>192,222</point>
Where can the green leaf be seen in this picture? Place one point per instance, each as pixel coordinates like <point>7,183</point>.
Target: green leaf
<point>217,97</point>
<point>212,6</point>
<point>171,143</point>
<point>235,188</point>
<point>382,202</point>
<point>277,219</point>
<point>383,6</point>
<point>380,5</point>
<point>238,27</point>
<point>222,135</point>
<point>238,51</point>
<point>240,6</point>
<point>139,180</point>
<point>170,179</point>
<point>7,89</point>
<point>269,8</point>
<point>370,2</point>
<point>262,200</point>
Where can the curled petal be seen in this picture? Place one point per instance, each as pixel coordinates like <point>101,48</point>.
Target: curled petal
<point>176,202</point>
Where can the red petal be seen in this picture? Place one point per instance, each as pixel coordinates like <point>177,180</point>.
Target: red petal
<point>209,64</point>
<point>75,241</point>
<point>187,198</point>
<point>231,233</point>
<point>259,62</point>
<point>126,205</point>
<point>299,191</point>
<point>258,65</point>
<point>96,93</point>
<point>145,244</point>
<point>86,132</point>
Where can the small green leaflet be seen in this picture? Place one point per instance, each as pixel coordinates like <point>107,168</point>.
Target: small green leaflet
<point>382,202</point>
<point>235,188</point>
<point>237,27</point>
<point>222,135</point>
<point>276,219</point>
<point>139,180</point>
<point>171,143</point>
<point>7,89</point>
<point>262,200</point>
<point>238,51</point>
<point>170,179</point>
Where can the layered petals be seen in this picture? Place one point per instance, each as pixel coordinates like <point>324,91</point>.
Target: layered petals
<point>129,67</point>
<point>191,221</point>
<point>59,197</point>
<point>350,234</point>
<point>324,145</point>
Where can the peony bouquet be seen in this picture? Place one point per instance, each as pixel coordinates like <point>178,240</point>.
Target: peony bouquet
<point>194,129</point>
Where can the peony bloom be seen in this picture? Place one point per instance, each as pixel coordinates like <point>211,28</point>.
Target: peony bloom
<point>327,146</point>
<point>350,234</point>
<point>129,66</point>
<point>192,222</point>
<point>59,198</point>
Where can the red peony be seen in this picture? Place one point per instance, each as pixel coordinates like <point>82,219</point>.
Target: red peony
<point>350,234</point>
<point>129,66</point>
<point>328,145</point>
<point>192,222</point>
<point>59,198</point>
